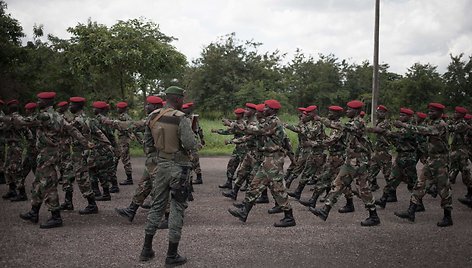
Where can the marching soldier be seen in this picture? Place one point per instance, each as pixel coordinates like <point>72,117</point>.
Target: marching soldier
<point>187,108</point>
<point>124,139</point>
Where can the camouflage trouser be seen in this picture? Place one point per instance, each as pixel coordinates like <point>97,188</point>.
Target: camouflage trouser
<point>13,162</point>
<point>330,170</point>
<point>404,170</point>
<point>355,168</point>
<point>301,163</point>
<point>196,162</point>
<point>145,184</point>
<point>101,164</point>
<point>244,170</point>
<point>313,166</point>
<point>460,163</point>
<point>28,164</point>
<point>270,174</point>
<point>123,144</point>
<point>45,180</point>
<point>233,163</point>
<point>167,176</point>
<point>380,161</point>
<point>434,173</point>
<point>78,171</point>
<point>2,155</point>
<point>422,152</point>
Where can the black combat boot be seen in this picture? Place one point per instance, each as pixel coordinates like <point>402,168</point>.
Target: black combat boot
<point>147,253</point>
<point>228,184</point>
<point>91,208</point>
<point>241,213</point>
<point>420,207</point>
<point>310,202</point>
<point>289,177</point>
<point>263,199</point>
<point>382,202</point>
<point>238,205</point>
<point>409,214</point>
<point>32,215</point>
<point>106,195</point>
<point>298,192</point>
<point>173,258</point>
<point>373,218</point>
<point>2,178</point>
<point>392,196</point>
<point>164,224</point>
<point>467,199</point>
<point>129,179</point>
<point>21,195</point>
<point>11,191</point>
<point>54,221</point>
<point>95,188</point>
<point>374,186</point>
<point>198,180</point>
<point>312,181</point>
<point>276,209</point>
<point>322,213</point>
<point>447,219</point>
<point>128,212</point>
<point>287,221</point>
<point>432,190</point>
<point>233,194</point>
<point>349,207</point>
<point>67,205</point>
<point>114,187</point>
<point>245,186</point>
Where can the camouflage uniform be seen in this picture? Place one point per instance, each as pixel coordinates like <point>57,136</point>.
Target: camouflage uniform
<point>459,152</point>
<point>124,138</point>
<point>422,150</point>
<point>29,161</point>
<point>13,136</point>
<point>381,158</point>
<point>195,157</point>
<point>316,156</point>
<point>65,153</point>
<point>302,130</point>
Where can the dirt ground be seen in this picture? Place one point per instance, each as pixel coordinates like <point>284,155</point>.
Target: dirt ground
<point>213,238</point>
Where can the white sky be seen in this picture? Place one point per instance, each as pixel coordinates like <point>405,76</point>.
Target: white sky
<point>424,31</point>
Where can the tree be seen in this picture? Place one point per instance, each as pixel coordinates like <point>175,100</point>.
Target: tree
<point>458,81</point>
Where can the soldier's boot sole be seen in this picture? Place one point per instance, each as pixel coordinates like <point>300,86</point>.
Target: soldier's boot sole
<point>34,218</point>
<point>319,212</point>
<point>51,223</point>
<point>175,261</point>
<point>405,215</point>
<point>238,214</point>
<point>146,255</point>
<point>89,210</point>
<point>126,213</point>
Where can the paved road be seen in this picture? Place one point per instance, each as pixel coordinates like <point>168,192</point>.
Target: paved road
<point>213,238</point>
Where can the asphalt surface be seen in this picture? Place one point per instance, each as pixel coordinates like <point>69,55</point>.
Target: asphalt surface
<point>213,238</point>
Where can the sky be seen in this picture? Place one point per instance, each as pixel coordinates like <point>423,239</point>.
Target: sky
<point>411,31</point>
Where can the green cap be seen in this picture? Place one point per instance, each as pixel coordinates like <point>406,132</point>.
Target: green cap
<point>175,90</point>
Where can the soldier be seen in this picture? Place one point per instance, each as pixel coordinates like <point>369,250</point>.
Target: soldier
<point>422,151</point>
<point>355,167</point>
<point>145,185</point>
<point>234,128</point>
<point>315,152</point>
<point>187,108</point>
<point>124,138</point>
<point>29,161</point>
<point>78,168</point>
<point>2,145</point>
<point>270,172</point>
<point>289,176</point>
<point>459,153</point>
<point>45,182</point>
<point>435,169</point>
<point>381,158</point>
<point>336,144</point>
<point>404,167</point>
<point>13,135</point>
<point>169,133</point>
<point>65,140</point>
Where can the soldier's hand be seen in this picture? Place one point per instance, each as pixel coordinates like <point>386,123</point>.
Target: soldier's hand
<point>316,117</point>
<point>91,145</point>
<point>228,142</point>
<point>213,130</point>
<point>399,124</point>
<point>226,122</point>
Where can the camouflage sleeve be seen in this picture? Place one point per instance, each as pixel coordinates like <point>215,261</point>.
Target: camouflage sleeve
<point>224,131</point>
<point>431,130</point>
<point>461,127</point>
<point>329,124</point>
<point>187,136</point>
<point>294,128</point>
<point>75,133</point>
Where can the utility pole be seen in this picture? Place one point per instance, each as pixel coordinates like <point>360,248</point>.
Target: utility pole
<point>375,77</point>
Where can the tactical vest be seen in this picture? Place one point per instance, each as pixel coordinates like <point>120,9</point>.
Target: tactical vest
<point>165,130</point>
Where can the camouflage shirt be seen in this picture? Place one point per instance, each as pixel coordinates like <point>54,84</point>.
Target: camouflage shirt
<point>382,143</point>
<point>459,130</point>
<point>336,141</point>
<point>122,132</point>
<point>437,133</point>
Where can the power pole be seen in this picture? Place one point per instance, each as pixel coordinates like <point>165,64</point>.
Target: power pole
<point>375,77</point>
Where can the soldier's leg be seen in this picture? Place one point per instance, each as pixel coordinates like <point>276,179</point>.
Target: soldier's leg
<point>387,165</point>
<point>366,195</point>
<point>2,159</point>
<point>231,168</point>
<point>375,166</point>
<point>312,165</point>
<point>440,173</point>
<point>12,168</point>
<point>112,175</point>
<point>455,166</point>
<point>467,180</point>
<point>242,173</point>
<point>197,168</point>
<point>126,160</point>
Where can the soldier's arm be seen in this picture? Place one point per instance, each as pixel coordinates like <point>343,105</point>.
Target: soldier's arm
<point>75,133</point>
<point>187,136</point>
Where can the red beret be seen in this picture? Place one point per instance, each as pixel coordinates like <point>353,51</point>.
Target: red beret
<point>381,107</point>
<point>154,100</point>
<point>311,108</point>
<point>406,111</point>
<point>362,113</point>
<point>302,109</point>
<point>31,105</point>
<point>251,105</point>
<point>260,107</point>
<point>62,103</point>
<point>335,108</point>
<point>436,105</point>
<point>122,105</point>
<point>461,110</point>
<point>13,102</point>
<point>468,116</point>
<point>77,99</point>
<point>2,102</point>
<point>355,104</point>
<point>273,104</point>
<point>100,105</point>
<point>46,95</point>
<point>187,105</point>
<point>239,111</point>
<point>421,115</point>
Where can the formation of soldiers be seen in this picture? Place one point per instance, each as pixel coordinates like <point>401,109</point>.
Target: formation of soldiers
<point>351,151</point>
